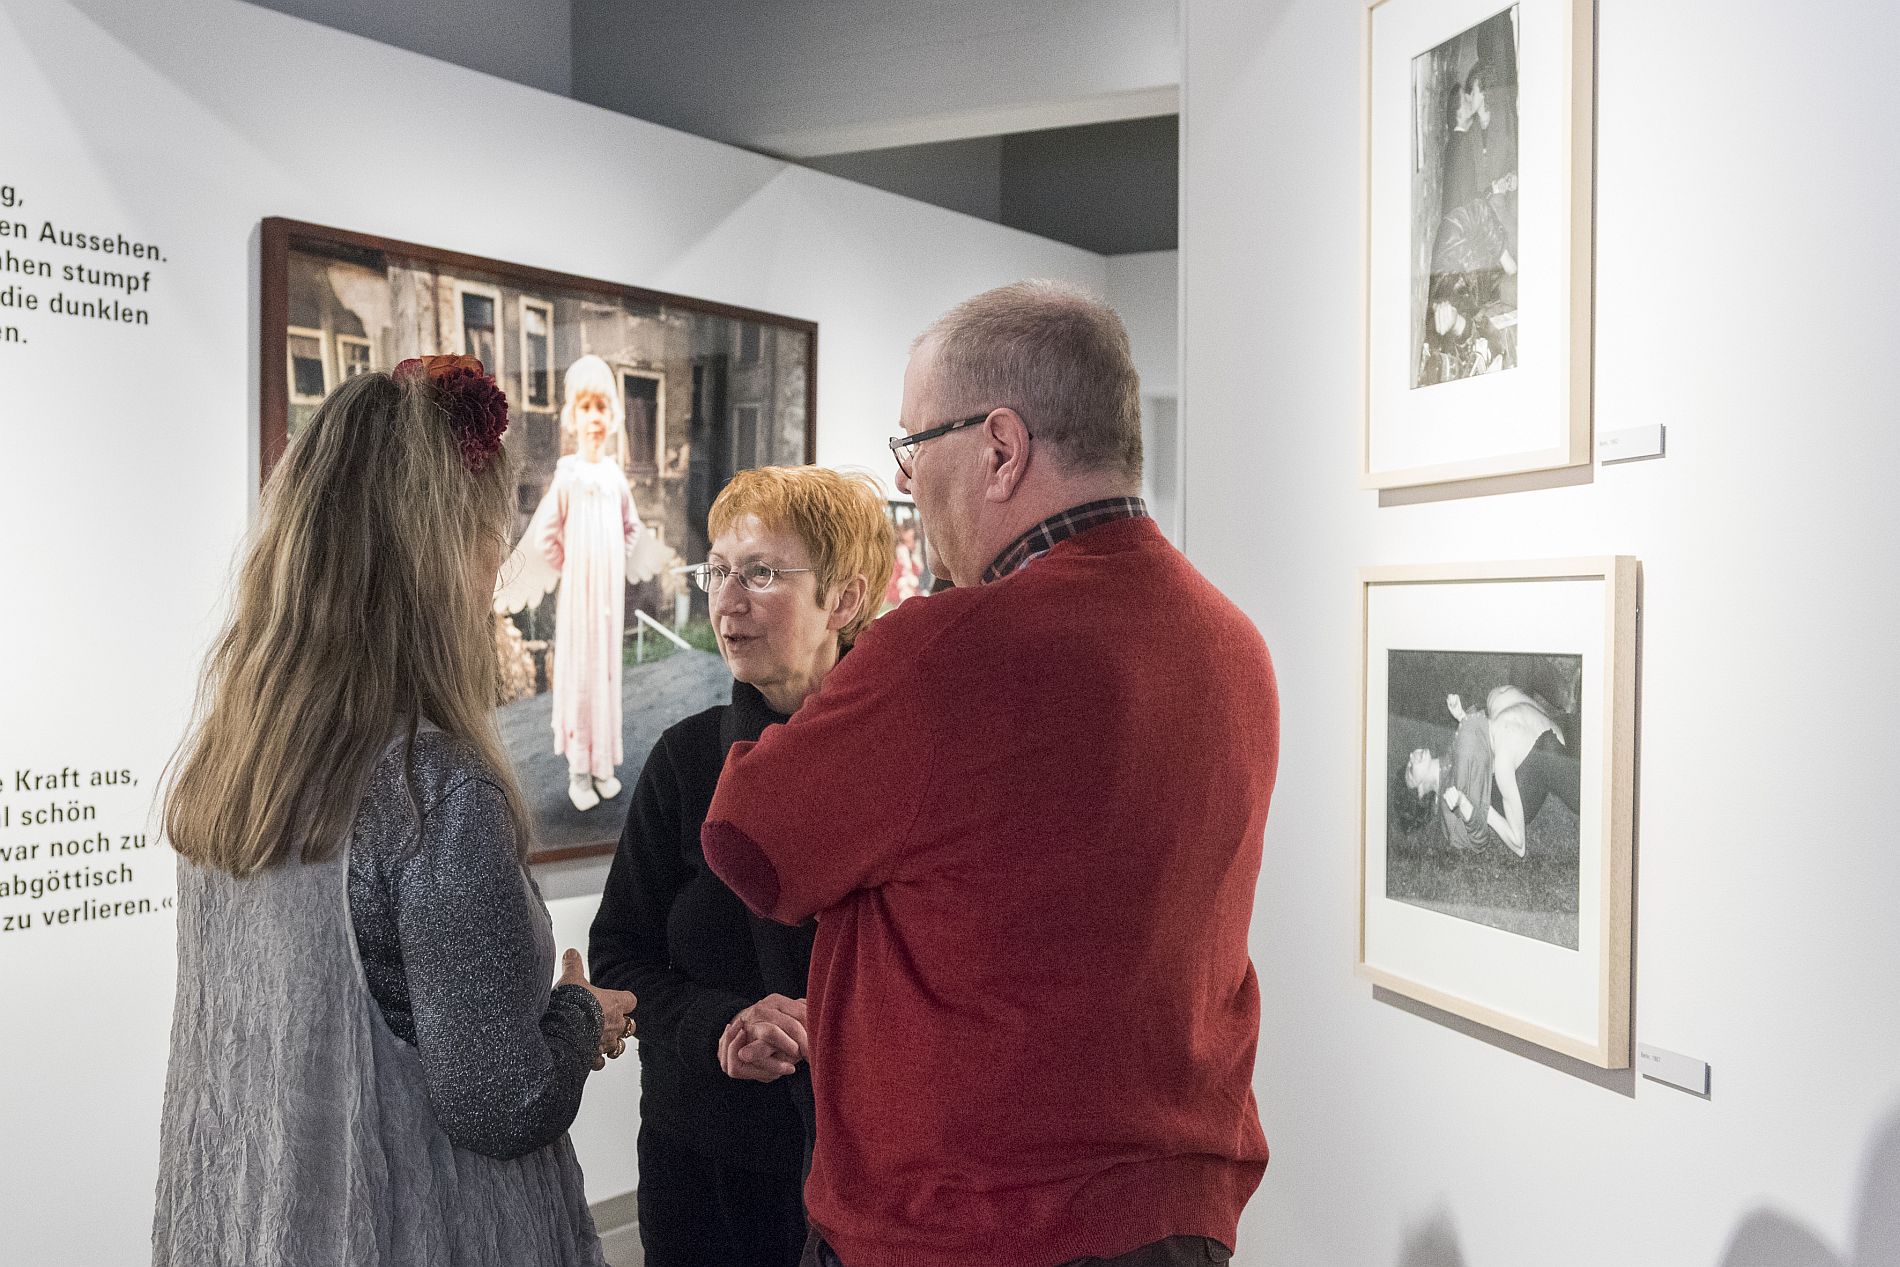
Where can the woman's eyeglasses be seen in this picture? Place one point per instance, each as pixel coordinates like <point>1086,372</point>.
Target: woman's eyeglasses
<point>754,578</point>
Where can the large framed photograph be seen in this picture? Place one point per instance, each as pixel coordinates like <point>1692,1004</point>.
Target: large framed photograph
<point>1496,816</point>
<point>632,403</point>
<point>1479,148</point>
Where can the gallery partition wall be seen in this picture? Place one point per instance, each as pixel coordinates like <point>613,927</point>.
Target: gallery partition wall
<point>1447,240</point>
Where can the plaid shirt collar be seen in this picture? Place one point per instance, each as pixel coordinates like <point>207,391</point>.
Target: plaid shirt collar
<point>1042,538</point>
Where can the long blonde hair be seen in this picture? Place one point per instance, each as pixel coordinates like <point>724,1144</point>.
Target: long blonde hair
<point>362,611</point>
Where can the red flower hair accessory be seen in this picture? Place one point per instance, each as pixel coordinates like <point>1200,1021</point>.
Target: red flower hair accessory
<point>477,408</point>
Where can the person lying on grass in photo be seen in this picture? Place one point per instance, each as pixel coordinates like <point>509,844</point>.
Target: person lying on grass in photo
<point>1486,752</point>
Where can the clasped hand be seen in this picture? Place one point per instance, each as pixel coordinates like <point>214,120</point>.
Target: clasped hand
<point>766,1041</point>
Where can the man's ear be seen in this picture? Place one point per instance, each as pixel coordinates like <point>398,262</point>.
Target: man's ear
<point>846,603</point>
<point>1006,454</point>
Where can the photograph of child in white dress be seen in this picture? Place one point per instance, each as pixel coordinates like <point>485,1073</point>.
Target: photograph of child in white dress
<point>628,411</point>
<point>579,543</point>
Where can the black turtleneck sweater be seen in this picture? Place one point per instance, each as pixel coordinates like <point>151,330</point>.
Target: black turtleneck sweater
<point>672,932</point>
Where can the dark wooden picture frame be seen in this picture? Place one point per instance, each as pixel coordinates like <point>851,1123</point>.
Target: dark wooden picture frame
<point>706,388</point>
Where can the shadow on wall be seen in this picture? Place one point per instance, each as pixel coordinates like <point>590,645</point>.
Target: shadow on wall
<point>1433,1243</point>
<point>1621,1081</point>
<point>1766,1237</point>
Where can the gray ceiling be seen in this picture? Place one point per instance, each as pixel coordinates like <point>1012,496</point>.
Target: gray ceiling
<point>1055,117</point>
<point>1106,187</point>
<point>842,76</point>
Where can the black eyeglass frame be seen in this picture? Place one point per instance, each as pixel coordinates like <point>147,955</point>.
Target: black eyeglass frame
<point>900,443</point>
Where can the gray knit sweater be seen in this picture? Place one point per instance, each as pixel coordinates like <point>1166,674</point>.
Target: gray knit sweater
<point>445,931</point>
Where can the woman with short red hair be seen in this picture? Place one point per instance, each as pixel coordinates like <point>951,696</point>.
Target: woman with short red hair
<point>799,562</point>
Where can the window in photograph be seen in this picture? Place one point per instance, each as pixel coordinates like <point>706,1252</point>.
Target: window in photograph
<point>308,379</point>
<point>745,429</point>
<point>645,396</point>
<point>480,311</point>
<point>748,339</point>
<point>537,354</point>
<point>352,356</point>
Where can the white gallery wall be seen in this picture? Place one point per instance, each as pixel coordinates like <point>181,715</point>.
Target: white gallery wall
<point>1145,288</point>
<point>1748,298</point>
<point>128,451</point>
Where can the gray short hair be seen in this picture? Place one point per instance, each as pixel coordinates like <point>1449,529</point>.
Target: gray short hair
<point>1054,354</point>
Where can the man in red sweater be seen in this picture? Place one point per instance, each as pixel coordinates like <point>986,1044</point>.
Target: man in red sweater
<point>1027,813</point>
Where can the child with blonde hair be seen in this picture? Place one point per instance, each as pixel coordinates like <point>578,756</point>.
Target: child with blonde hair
<point>580,536</point>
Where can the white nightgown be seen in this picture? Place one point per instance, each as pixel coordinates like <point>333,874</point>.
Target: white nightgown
<point>584,535</point>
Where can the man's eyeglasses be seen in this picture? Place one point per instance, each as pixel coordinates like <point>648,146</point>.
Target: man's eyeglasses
<point>754,578</point>
<point>904,448</point>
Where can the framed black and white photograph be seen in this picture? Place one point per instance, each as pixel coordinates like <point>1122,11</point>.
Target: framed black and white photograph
<point>1483,787</point>
<point>1498,707</point>
<point>629,411</point>
<point>1478,177</point>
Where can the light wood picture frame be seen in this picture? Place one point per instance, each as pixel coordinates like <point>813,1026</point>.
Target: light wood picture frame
<point>1479,163</point>
<point>1497,774</point>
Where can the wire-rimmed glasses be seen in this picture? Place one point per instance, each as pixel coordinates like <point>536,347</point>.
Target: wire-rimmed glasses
<point>754,578</point>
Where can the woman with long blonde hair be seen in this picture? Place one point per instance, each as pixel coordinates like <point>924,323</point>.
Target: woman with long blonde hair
<point>367,1063</point>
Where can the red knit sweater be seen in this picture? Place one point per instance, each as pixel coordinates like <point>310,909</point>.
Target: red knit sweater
<point>1028,817</point>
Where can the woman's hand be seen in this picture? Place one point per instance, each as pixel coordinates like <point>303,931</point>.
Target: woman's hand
<point>766,1041</point>
<point>616,1009</point>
